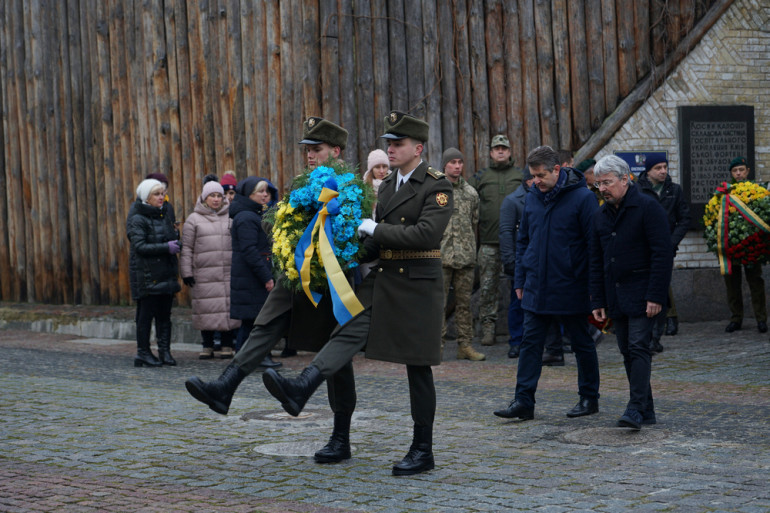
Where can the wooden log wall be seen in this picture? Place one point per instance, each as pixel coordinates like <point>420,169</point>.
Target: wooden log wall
<point>95,94</point>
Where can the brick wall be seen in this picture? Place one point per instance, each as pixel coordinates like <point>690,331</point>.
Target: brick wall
<point>730,66</point>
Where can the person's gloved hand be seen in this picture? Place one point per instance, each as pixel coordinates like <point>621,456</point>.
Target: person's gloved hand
<point>367,227</point>
<point>173,247</point>
<point>189,281</point>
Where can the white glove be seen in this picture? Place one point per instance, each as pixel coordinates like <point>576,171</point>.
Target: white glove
<point>367,227</point>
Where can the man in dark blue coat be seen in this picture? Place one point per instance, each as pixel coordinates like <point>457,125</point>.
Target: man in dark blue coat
<point>551,279</point>
<point>631,259</point>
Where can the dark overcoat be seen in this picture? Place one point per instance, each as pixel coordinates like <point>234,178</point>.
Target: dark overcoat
<point>674,203</point>
<point>407,295</point>
<point>631,255</point>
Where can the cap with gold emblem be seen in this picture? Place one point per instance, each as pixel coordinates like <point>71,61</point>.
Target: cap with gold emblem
<point>400,126</point>
<point>320,130</point>
<point>500,140</point>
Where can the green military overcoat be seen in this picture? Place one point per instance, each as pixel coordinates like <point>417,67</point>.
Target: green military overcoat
<point>407,295</point>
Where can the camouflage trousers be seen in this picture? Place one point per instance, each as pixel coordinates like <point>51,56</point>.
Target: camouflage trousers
<point>489,264</point>
<point>462,281</point>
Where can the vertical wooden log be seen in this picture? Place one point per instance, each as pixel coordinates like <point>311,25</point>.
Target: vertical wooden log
<point>544,39</point>
<point>250,47</point>
<point>330,82</point>
<point>157,68</point>
<point>66,214</point>
<point>642,36</point>
<point>609,40</point>
<point>432,76</point>
<point>674,25</point>
<point>595,55</point>
<point>626,66</point>
<point>658,30</point>
<point>261,86</point>
<point>216,69</point>
<point>288,124</point>
<point>687,11</point>
<point>311,49</point>
<point>560,23</point>
<point>198,95</point>
<point>347,99</point>
<point>479,82</point>
<point>77,188</point>
<point>530,75</point>
<point>513,81</point>
<point>498,112</point>
<point>93,136</point>
<point>399,93</point>
<point>578,72</point>
<point>274,98</point>
<point>364,83</point>
<point>414,61</point>
<point>449,103</point>
<point>381,65</point>
<point>234,84</point>
<point>298,74</point>
<point>464,93</point>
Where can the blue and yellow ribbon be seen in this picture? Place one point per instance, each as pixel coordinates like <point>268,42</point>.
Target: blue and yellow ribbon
<point>344,301</point>
<point>723,221</point>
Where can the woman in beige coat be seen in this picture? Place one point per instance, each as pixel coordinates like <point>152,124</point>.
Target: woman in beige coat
<point>205,264</point>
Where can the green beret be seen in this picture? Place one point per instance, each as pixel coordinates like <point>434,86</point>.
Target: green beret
<point>320,130</point>
<point>738,161</point>
<point>584,165</point>
<point>399,126</point>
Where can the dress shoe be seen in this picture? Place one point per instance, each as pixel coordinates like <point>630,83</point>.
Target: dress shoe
<point>516,410</point>
<point>733,326</point>
<point>513,352</point>
<point>420,456</point>
<point>631,418</point>
<point>656,346</point>
<point>672,326</point>
<point>288,352</point>
<point>553,360</point>
<point>584,407</point>
<point>268,363</point>
<point>762,327</point>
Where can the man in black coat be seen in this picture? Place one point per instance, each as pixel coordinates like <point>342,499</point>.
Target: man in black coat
<point>630,271</point>
<point>656,180</point>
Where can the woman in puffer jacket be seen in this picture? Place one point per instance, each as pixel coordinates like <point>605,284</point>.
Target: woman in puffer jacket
<point>153,270</point>
<point>205,260</point>
<point>252,277</point>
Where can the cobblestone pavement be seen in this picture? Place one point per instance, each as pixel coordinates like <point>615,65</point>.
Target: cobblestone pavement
<point>83,430</point>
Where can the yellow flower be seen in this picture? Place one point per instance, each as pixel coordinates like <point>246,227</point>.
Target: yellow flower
<point>292,274</point>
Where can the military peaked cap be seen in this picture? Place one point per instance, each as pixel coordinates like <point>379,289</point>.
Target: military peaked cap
<point>320,130</point>
<point>399,126</point>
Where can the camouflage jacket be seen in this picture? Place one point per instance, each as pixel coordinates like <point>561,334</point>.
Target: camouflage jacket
<point>458,246</point>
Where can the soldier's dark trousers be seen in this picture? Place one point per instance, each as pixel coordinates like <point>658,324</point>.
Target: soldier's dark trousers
<point>735,295</point>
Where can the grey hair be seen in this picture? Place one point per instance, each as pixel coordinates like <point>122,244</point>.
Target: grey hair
<point>611,164</point>
<point>543,156</point>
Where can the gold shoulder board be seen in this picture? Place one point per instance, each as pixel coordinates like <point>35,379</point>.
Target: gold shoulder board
<point>435,173</point>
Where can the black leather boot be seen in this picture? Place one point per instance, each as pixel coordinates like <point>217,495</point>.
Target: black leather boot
<point>164,344</point>
<point>420,455</point>
<point>145,357</point>
<point>293,393</point>
<point>219,393</point>
<point>338,447</point>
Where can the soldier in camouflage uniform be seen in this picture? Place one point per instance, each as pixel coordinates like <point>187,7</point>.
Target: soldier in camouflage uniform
<point>458,252</point>
<point>493,184</point>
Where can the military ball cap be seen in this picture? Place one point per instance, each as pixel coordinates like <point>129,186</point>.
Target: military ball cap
<point>400,126</point>
<point>500,140</point>
<point>319,130</point>
<point>738,161</point>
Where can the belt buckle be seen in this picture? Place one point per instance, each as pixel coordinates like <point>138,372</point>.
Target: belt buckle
<point>387,254</point>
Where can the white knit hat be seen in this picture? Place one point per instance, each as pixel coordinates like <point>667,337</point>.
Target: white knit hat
<point>146,187</point>
<point>210,188</point>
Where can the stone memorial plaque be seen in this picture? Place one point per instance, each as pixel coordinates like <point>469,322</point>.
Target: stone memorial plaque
<point>709,138</point>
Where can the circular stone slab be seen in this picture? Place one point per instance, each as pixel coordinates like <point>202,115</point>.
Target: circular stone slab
<point>613,436</point>
<point>282,416</point>
<point>296,449</point>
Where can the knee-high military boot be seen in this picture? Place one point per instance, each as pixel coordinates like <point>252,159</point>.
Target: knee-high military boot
<point>338,447</point>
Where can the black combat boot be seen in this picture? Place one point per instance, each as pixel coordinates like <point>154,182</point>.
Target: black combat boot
<point>293,393</point>
<point>420,455</point>
<point>338,448</point>
<point>219,393</point>
<point>164,343</point>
